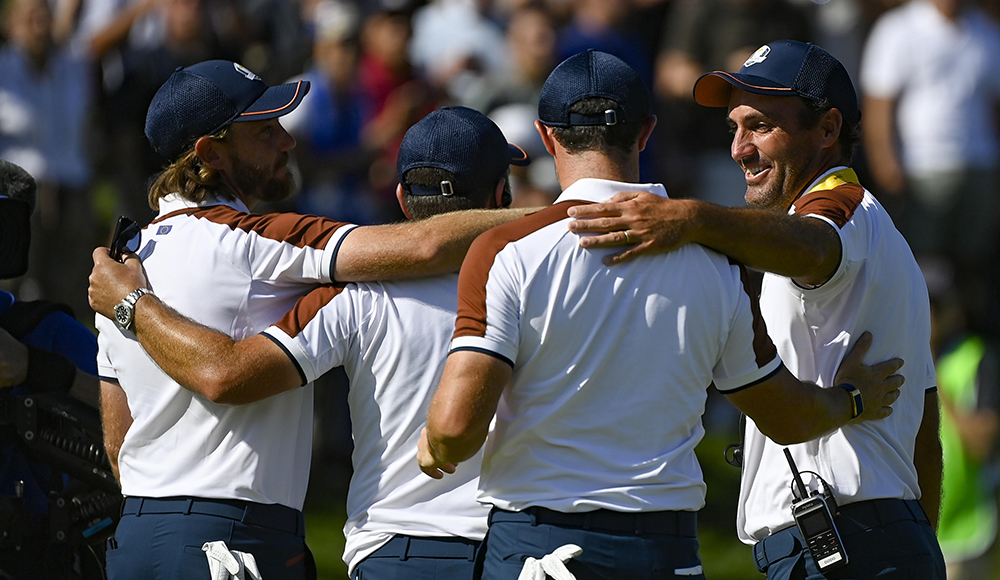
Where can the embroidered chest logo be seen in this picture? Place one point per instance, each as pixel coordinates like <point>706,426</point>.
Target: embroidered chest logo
<point>163,230</point>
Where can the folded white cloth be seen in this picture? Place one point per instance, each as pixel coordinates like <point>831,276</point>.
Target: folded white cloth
<point>553,564</point>
<point>226,564</point>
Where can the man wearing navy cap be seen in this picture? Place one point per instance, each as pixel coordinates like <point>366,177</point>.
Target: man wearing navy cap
<point>392,339</point>
<point>598,376</point>
<point>836,267</point>
<point>209,484</point>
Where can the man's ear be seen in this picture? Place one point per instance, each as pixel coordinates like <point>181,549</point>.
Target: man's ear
<point>499,200</point>
<point>548,139</point>
<point>401,198</point>
<point>646,131</point>
<point>831,124</point>
<point>210,152</point>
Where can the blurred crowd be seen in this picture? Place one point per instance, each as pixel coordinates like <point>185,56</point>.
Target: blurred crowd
<point>76,77</point>
<point>79,74</point>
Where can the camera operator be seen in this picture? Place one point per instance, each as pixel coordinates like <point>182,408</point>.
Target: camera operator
<point>47,362</point>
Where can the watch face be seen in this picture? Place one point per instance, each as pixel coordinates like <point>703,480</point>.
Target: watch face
<point>122,314</point>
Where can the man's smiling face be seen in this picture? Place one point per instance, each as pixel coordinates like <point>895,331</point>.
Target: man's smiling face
<point>778,156</point>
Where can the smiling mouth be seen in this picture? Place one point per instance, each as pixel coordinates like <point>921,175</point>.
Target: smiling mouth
<point>752,172</point>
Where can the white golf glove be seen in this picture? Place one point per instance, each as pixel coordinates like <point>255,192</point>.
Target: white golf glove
<point>553,564</point>
<point>226,564</point>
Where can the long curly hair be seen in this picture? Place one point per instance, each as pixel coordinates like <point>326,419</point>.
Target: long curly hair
<point>190,178</point>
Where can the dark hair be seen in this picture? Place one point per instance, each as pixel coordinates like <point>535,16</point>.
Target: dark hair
<point>424,206</point>
<point>188,177</point>
<point>16,183</point>
<point>618,139</point>
<point>850,135</point>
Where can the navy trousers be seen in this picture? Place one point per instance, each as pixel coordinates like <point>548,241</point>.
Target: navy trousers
<point>161,539</point>
<point>888,539</point>
<point>414,558</point>
<point>616,545</point>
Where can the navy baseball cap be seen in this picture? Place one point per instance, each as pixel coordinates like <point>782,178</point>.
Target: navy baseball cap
<point>785,68</point>
<point>462,141</point>
<point>587,74</point>
<point>203,98</point>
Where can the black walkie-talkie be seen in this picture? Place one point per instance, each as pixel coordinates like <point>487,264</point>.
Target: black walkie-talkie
<point>814,518</point>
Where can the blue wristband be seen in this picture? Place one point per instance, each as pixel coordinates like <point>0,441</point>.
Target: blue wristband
<point>857,403</point>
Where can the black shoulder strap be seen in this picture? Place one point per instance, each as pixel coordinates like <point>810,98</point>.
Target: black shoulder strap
<point>22,317</point>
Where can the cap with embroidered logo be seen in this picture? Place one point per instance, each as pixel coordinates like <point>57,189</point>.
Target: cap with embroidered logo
<point>589,74</point>
<point>462,141</point>
<point>203,98</point>
<point>785,68</point>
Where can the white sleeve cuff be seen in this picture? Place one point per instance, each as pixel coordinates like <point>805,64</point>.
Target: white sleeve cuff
<point>332,248</point>
<point>294,351</point>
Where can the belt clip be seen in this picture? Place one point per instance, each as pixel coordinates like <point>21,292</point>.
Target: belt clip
<point>138,508</point>
<point>406,550</point>
<point>187,509</point>
<point>533,515</point>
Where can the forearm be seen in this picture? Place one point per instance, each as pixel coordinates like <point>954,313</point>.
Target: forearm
<point>208,362</point>
<point>460,414</point>
<point>117,30</point>
<point>429,247</point>
<point>789,412</point>
<point>797,247</point>
<point>116,418</point>
<point>456,448</point>
<point>927,459</point>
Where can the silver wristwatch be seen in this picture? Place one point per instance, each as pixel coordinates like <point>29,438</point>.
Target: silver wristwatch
<point>125,310</point>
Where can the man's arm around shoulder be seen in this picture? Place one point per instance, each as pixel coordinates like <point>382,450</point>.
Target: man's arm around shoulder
<point>428,247</point>
<point>802,248</point>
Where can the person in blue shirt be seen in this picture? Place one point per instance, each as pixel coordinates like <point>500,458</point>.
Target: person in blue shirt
<point>43,349</point>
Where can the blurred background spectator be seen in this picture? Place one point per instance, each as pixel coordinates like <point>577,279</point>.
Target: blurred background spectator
<point>968,370</point>
<point>331,155</point>
<point>78,76</point>
<point>45,105</point>
<point>930,126</point>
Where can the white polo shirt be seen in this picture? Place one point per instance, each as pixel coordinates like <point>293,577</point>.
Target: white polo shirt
<point>235,272</point>
<point>879,288</point>
<point>943,74</point>
<point>611,364</point>
<point>392,339</point>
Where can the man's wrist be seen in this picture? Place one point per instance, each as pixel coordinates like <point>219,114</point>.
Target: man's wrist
<point>125,310</point>
<point>857,402</point>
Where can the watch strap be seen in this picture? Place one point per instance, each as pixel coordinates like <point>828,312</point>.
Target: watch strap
<point>857,402</point>
<point>135,295</point>
<point>128,303</point>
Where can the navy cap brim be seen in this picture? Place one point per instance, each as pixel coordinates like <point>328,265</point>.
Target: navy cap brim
<point>518,156</point>
<point>713,89</point>
<point>276,101</point>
